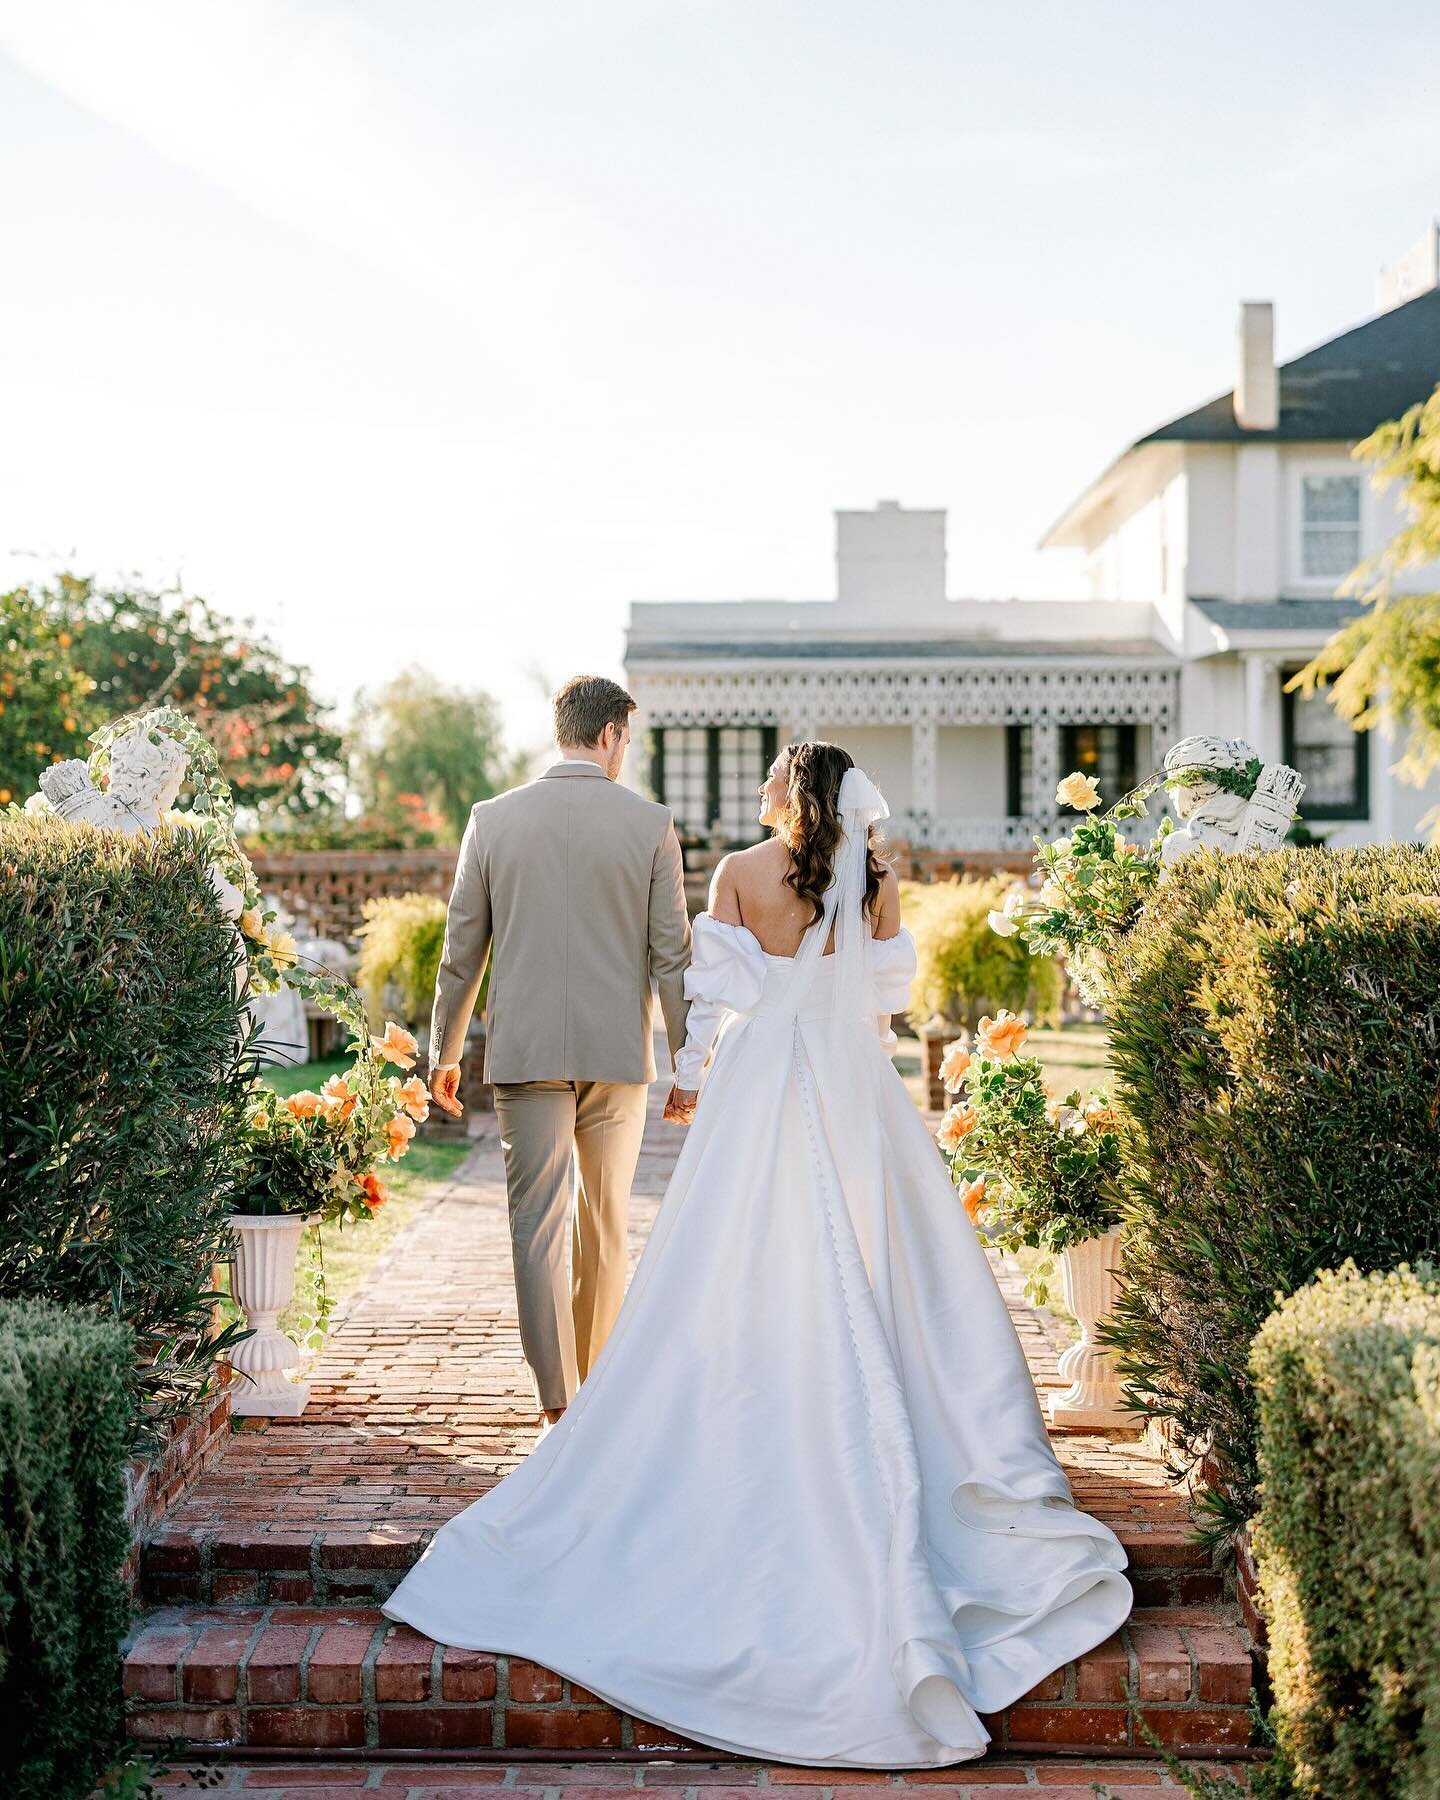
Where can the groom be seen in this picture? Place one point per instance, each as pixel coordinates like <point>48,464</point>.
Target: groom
<point>576,884</point>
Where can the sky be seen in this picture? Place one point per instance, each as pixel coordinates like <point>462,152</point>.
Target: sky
<point>437,332</point>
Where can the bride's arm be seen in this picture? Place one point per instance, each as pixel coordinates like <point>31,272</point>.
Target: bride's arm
<point>894,956</point>
<point>707,1010</point>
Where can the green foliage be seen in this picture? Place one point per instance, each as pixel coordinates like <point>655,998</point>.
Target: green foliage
<point>141,649</point>
<point>431,748</point>
<point>123,1077</point>
<point>966,968</point>
<point>45,703</point>
<point>1050,1168</point>
<point>401,941</point>
<point>1347,1374</point>
<point>1385,665</point>
<point>65,1430</point>
<point>1274,1028</point>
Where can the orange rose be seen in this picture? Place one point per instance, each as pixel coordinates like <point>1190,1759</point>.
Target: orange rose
<point>401,1130</point>
<point>1002,1036</point>
<point>972,1197</point>
<point>303,1105</point>
<point>957,1124</point>
<point>415,1100</point>
<point>338,1099</point>
<point>375,1192</point>
<point>397,1046</point>
<point>953,1065</point>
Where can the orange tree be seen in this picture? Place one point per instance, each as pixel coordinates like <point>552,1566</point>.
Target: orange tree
<point>46,703</point>
<point>144,649</point>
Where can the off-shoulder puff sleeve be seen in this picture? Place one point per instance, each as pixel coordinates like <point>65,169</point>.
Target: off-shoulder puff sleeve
<point>726,975</point>
<point>892,969</point>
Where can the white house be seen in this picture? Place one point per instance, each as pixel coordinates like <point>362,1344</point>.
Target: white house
<point>1214,547</point>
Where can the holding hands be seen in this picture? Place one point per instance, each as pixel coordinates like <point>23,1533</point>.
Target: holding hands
<point>680,1106</point>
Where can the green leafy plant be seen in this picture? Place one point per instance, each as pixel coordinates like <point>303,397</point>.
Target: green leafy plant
<point>124,1084</point>
<point>400,947</point>
<point>45,696</point>
<point>1347,1378</point>
<point>1034,1171</point>
<point>1273,1028</point>
<point>963,966</point>
<point>66,1405</point>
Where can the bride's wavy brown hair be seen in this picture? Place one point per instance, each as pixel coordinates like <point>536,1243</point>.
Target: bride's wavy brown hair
<point>809,824</point>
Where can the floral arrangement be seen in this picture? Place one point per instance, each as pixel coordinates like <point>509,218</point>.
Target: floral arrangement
<point>317,1152</point>
<point>1033,1170</point>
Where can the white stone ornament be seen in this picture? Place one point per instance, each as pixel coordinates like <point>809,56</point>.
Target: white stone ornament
<point>1213,818</point>
<point>1095,1399</point>
<point>264,1275</point>
<point>145,778</point>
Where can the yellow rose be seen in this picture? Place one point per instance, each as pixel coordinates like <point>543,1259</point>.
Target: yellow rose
<point>957,1125</point>
<point>251,922</point>
<point>1080,791</point>
<point>953,1065</point>
<point>282,948</point>
<point>1002,1036</point>
<point>397,1046</point>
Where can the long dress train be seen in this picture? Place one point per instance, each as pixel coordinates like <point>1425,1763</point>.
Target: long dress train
<point>805,1507</point>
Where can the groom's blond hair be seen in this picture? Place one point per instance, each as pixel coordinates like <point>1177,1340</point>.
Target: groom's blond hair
<point>585,706</point>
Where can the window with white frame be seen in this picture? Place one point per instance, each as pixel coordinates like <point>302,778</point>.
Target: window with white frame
<point>1329,526</point>
<point>709,775</point>
<point>1332,757</point>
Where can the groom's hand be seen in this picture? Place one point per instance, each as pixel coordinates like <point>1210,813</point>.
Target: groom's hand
<point>680,1106</point>
<point>445,1091</point>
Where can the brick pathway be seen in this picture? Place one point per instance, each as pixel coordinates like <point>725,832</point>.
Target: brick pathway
<point>421,1403</point>
<point>723,1781</point>
<point>265,1581</point>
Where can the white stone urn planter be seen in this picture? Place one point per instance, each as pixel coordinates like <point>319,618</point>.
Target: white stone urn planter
<point>1094,1399</point>
<point>266,1247</point>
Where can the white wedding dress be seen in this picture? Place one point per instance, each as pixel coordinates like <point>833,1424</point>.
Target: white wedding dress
<point>805,1507</point>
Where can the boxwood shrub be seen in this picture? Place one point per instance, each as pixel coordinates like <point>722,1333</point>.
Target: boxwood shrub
<point>65,1430</point>
<point>122,1083</point>
<point>1347,1374</point>
<point>1275,1027</point>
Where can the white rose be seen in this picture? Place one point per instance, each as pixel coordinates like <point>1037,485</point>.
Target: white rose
<point>1002,924</point>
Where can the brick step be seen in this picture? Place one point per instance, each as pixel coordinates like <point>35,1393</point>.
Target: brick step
<point>243,1566</point>
<point>332,1677</point>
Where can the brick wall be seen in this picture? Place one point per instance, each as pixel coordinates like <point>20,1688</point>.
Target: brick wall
<point>329,888</point>
<point>153,1484</point>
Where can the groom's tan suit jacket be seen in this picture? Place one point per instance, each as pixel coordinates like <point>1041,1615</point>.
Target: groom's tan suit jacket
<point>573,887</point>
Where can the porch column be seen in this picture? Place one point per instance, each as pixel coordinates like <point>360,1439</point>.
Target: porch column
<point>1262,705</point>
<point>924,770</point>
<point>1044,769</point>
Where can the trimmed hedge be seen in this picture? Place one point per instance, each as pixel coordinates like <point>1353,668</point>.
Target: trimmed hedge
<point>122,1083</point>
<point>1347,1373</point>
<point>1275,1027</point>
<point>65,1426</point>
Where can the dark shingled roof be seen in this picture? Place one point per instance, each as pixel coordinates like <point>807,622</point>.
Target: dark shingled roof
<point>1280,615</point>
<point>1340,390</point>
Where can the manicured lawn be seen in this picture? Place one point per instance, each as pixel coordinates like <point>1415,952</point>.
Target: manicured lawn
<point>1075,1056</point>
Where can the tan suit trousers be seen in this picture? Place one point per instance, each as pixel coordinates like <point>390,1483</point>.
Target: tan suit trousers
<point>570,1260</point>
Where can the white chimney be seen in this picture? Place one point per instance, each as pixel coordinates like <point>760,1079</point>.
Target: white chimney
<point>1416,272</point>
<point>890,561</point>
<point>1257,386</point>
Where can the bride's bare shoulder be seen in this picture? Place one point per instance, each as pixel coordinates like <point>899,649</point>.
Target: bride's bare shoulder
<point>746,874</point>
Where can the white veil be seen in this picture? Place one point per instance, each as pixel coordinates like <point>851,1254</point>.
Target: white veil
<point>860,804</point>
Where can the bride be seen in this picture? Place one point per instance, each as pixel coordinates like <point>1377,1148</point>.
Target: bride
<point>805,1507</point>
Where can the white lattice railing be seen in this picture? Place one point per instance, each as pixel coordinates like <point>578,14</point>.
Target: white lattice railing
<point>953,832</point>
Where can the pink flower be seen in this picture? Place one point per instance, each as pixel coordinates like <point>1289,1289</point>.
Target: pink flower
<point>397,1045</point>
<point>957,1125</point>
<point>953,1065</point>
